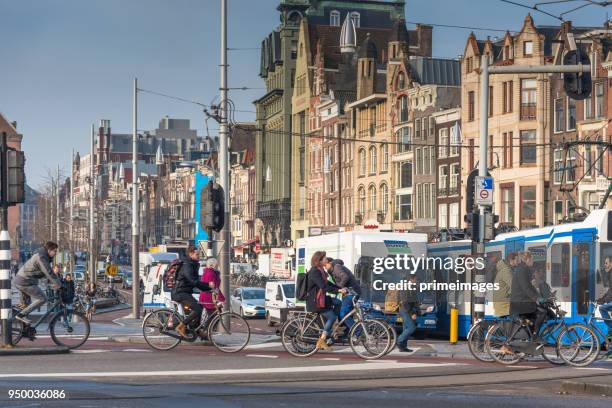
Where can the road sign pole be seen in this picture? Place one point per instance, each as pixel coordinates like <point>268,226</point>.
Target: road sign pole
<point>5,250</point>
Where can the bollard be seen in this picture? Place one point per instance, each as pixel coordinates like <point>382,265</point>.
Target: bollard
<point>454,325</point>
<point>5,288</point>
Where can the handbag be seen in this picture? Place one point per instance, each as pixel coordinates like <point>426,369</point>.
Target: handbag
<point>320,299</point>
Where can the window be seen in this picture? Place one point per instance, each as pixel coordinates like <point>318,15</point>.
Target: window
<point>559,115</point>
<point>455,174</point>
<point>424,128</point>
<point>471,106</point>
<point>454,217</point>
<point>373,160</point>
<point>426,169</point>
<point>403,109</point>
<point>442,216</point>
<point>384,160</point>
<point>588,107</point>
<point>508,147</point>
<point>432,126</point>
<point>403,137</point>
<point>599,100</point>
<point>404,206</point>
<point>587,162</point>
<point>557,166</point>
<point>528,147</point>
<point>469,65</point>
<point>362,200</point>
<point>491,101</point>
<point>384,198</point>
<point>426,202</point>
<point>417,128</point>
<point>571,114</point>
<point>528,206</point>
<point>372,193</point>
<point>432,160</point>
<point>455,140</point>
<point>334,18</point>
<point>560,265</point>
<point>356,17</point>
<point>405,176</point>
<point>470,154</point>
<point>558,211</point>
<point>401,81</point>
<point>507,210</point>
<point>528,99</point>
<point>419,162</point>
<point>362,162</point>
<point>570,169</point>
<point>527,48</point>
<point>442,179</point>
<point>508,96</point>
<point>506,52</point>
<point>491,150</point>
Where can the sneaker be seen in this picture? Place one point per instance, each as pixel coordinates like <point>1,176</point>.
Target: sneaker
<point>322,344</point>
<point>403,349</point>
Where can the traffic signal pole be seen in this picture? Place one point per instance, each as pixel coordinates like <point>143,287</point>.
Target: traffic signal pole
<point>479,239</point>
<point>5,251</point>
<point>224,255</point>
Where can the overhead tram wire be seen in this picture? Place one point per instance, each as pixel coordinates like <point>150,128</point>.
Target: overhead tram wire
<point>537,6</point>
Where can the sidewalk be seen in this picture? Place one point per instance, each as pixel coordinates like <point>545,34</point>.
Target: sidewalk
<point>20,350</point>
<point>600,386</point>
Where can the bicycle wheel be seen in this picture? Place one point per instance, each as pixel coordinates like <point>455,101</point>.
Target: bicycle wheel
<point>500,340</point>
<point>155,326</point>
<point>578,345</point>
<point>17,329</point>
<point>550,351</point>
<point>69,329</point>
<point>476,341</point>
<point>370,339</point>
<point>229,332</point>
<point>299,336</point>
<point>392,335</point>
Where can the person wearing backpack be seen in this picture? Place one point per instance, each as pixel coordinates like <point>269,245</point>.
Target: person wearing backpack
<point>185,280</point>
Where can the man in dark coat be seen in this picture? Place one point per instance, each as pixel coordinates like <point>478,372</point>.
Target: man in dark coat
<point>524,297</point>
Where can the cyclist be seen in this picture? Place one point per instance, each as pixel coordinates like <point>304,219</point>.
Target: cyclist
<point>317,300</point>
<point>606,300</point>
<point>90,300</point>
<point>343,278</point>
<point>26,280</point>
<point>67,294</point>
<point>408,310</point>
<point>525,300</point>
<point>187,279</point>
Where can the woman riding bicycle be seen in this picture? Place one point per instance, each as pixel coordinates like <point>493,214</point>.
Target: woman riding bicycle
<point>317,300</point>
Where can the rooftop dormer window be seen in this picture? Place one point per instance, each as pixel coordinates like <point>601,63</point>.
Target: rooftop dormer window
<point>334,18</point>
<point>356,17</point>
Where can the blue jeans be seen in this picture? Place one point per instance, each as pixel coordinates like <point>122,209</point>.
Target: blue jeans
<point>606,311</point>
<point>68,316</point>
<point>330,317</point>
<point>345,308</point>
<point>408,327</point>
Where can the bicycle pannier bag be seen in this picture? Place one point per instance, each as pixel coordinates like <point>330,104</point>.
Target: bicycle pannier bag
<point>301,287</point>
<point>392,301</point>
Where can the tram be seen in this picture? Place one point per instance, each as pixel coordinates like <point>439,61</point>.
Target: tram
<point>571,254</point>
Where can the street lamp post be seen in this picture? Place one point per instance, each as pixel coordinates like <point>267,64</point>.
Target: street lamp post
<point>135,207</point>
<point>92,193</point>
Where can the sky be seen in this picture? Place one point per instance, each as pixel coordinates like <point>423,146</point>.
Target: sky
<point>66,64</point>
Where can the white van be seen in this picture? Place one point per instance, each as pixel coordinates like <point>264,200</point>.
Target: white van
<point>152,268</point>
<point>279,300</point>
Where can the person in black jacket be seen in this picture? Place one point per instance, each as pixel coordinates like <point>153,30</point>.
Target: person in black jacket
<point>317,300</point>
<point>525,299</point>
<point>187,278</point>
<point>67,294</point>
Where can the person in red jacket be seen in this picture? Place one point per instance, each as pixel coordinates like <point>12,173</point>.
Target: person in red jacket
<point>211,274</point>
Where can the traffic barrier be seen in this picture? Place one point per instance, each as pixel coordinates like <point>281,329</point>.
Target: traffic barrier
<point>5,286</point>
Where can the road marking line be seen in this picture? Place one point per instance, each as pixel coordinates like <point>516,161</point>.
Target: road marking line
<point>261,356</point>
<point>92,351</point>
<point>519,366</point>
<point>593,368</point>
<point>380,365</point>
<point>138,350</point>
<point>264,345</point>
<point>329,359</point>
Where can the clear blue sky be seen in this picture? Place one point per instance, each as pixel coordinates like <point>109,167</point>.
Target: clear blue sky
<point>67,63</point>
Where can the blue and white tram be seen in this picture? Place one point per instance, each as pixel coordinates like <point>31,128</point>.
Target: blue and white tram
<point>572,255</point>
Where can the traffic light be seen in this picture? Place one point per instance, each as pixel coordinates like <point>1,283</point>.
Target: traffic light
<point>577,85</point>
<point>16,176</point>
<point>218,207</point>
<point>212,207</point>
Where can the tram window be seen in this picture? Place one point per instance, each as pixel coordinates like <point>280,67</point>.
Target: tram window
<point>538,254</point>
<point>604,277</point>
<point>560,265</point>
<point>491,265</point>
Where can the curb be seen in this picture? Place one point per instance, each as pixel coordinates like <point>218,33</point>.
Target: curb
<point>33,351</point>
<point>583,387</point>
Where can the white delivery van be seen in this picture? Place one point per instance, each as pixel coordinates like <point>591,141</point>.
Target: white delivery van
<point>357,249</point>
<point>279,300</point>
<point>152,268</point>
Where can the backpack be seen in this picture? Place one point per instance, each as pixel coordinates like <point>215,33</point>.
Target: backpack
<point>392,301</point>
<point>301,287</point>
<point>171,273</point>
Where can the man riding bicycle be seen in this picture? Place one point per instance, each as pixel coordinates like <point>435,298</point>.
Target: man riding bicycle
<point>343,278</point>
<point>36,268</point>
<point>187,278</point>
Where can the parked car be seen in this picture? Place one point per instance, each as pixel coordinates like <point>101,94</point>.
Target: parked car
<point>280,299</point>
<point>118,278</point>
<point>101,274</point>
<point>248,302</point>
<point>127,280</point>
<point>78,276</point>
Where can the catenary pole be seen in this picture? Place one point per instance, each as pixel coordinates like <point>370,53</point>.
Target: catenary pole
<point>135,207</point>
<point>92,196</point>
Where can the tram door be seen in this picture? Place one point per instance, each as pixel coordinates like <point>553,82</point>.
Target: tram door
<point>583,267</point>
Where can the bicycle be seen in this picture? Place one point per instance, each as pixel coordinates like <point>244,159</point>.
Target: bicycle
<point>476,339</point>
<point>227,331</point>
<point>68,328</point>
<point>588,342</point>
<point>368,338</point>
<point>508,341</point>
